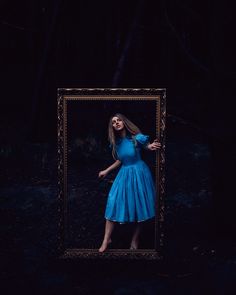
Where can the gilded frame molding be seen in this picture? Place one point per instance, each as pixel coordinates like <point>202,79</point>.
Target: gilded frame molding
<point>63,96</point>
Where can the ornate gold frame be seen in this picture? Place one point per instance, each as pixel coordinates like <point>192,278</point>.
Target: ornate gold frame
<point>67,94</point>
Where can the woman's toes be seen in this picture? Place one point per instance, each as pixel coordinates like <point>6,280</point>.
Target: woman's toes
<point>104,246</point>
<point>133,246</point>
<point>102,249</point>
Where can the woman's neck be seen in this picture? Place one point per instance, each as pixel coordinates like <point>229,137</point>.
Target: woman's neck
<point>122,133</point>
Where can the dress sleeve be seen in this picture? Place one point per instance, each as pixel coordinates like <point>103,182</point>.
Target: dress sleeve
<point>142,139</point>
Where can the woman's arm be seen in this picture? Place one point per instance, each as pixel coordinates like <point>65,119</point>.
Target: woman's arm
<point>109,169</point>
<point>113,166</point>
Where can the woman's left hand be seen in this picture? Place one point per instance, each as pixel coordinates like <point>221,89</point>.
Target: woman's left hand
<point>154,146</point>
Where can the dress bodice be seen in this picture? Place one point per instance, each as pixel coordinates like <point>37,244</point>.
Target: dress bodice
<point>127,153</point>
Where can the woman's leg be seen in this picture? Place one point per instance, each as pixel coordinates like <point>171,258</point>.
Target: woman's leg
<point>135,238</point>
<point>107,236</point>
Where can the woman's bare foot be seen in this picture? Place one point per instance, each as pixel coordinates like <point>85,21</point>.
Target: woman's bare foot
<point>104,245</point>
<point>135,237</point>
<point>134,245</point>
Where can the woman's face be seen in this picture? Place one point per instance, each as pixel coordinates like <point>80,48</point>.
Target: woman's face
<point>117,124</point>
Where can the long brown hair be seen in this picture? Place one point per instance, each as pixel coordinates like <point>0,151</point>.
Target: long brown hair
<point>131,128</point>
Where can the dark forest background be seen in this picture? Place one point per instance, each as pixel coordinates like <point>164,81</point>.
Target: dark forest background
<point>185,46</point>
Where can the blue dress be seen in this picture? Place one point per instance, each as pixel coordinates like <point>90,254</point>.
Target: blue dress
<point>132,195</point>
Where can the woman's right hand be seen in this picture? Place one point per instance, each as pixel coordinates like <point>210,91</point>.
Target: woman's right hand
<point>102,174</point>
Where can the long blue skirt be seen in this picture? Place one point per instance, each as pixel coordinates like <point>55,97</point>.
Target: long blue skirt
<point>132,196</point>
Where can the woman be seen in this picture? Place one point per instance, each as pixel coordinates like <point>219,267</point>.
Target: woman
<point>132,195</point>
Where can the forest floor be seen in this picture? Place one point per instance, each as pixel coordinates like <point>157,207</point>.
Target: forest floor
<point>197,257</point>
